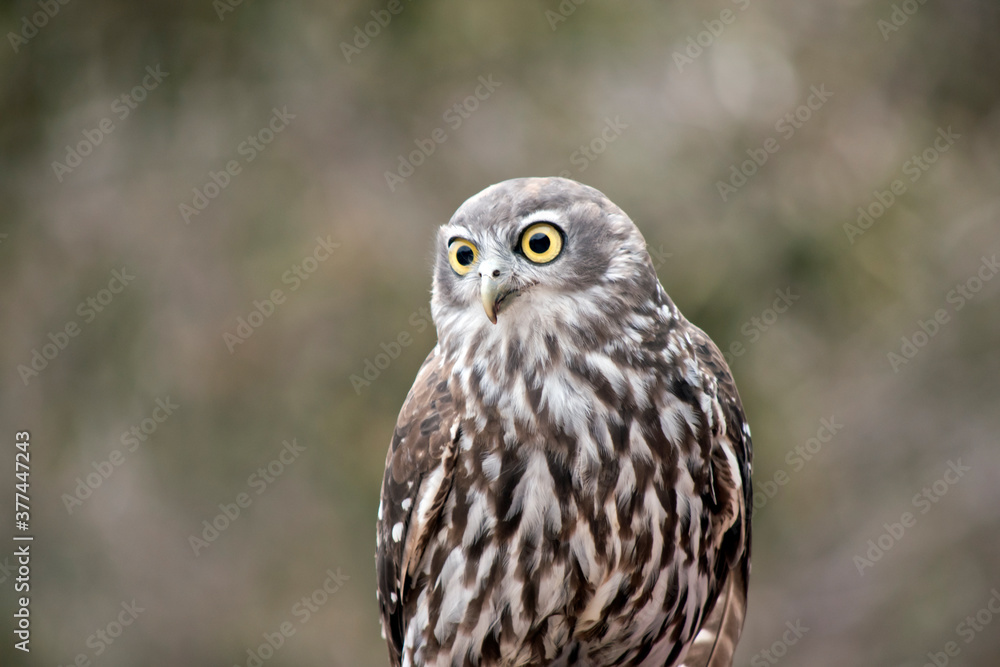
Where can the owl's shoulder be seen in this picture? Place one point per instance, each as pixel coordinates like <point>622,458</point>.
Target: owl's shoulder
<point>719,378</point>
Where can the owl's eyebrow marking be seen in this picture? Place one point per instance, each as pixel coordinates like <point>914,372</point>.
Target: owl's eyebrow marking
<point>544,215</point>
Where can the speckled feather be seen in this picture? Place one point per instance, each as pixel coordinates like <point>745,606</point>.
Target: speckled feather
<point>569,486</point>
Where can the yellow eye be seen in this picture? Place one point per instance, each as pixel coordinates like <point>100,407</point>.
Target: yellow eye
<point>462,255</point>
<point>541,242</point>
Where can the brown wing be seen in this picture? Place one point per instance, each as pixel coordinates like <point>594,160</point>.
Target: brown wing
<point>715,643</point>
<point>732,457</point>
<point>418,472</point>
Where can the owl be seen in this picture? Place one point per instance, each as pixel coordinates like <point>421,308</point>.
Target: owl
<point>568,482</point>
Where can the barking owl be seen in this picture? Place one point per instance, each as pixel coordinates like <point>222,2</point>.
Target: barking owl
<point>568,482</point>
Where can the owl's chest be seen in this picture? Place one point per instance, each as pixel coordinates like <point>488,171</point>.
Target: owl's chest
<point>572,514</point>
<point>543,455</point>
<point>565,529</point>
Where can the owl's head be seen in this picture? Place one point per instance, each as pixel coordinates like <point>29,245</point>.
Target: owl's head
<point>532,252</point>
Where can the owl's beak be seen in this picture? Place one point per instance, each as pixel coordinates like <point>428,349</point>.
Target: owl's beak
<point>492,288</point>
<point>489,290</point>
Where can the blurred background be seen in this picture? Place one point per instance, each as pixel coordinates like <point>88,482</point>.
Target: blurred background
<point>215,239</point>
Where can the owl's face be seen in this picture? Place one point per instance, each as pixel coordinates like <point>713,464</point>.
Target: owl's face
<point>529,251</point>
